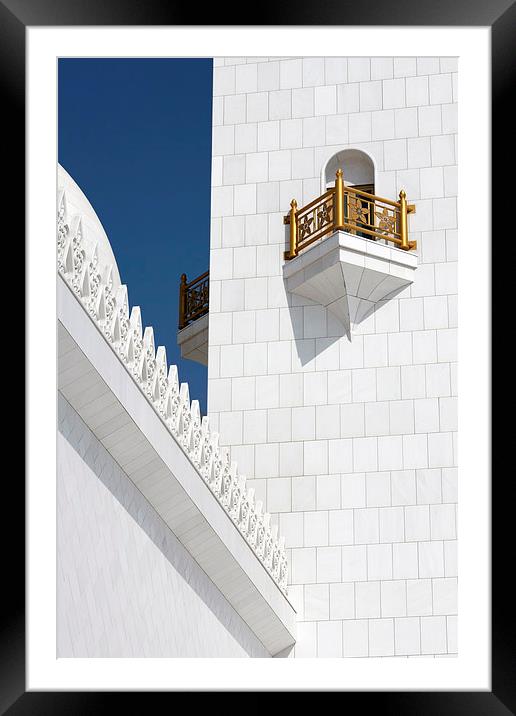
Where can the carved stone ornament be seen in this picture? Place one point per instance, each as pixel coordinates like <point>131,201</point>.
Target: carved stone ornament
<point>108,307</point>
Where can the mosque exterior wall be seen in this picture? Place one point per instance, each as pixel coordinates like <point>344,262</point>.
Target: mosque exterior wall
<point>350,441</point>
<point>126,586</point>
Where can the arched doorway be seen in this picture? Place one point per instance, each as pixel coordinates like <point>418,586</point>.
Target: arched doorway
<point>358,172</point>
<point>357,168</point>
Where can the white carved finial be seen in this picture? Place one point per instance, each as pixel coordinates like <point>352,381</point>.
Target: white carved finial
<point>148,339</point>
<point>84,285</point>
<point>184,394</point>
<point>122,301</point>
<point>68,257</point>
<point>100,306</point>
<point>195,411</point>
<point>173,379</point>
<point>109,277</point>
<point>161,360</point>
<point>136,320</point>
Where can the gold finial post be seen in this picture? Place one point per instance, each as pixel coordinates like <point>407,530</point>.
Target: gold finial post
<point>182,301</point>
<point>403,222</point>
<point>293,230</point>
<point>338,214</point>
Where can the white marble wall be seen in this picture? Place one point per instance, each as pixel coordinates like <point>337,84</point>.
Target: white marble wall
<point>351,445</point>
<point>125,586</point>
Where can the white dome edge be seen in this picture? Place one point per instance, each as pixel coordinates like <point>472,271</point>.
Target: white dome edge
<point>78,205</point>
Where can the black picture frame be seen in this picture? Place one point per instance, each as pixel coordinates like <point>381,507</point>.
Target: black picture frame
<point>500,16</point>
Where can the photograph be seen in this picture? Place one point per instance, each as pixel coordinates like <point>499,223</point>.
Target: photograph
<point>257,331</point>
<point>258,359</point>
<point>262,290</point>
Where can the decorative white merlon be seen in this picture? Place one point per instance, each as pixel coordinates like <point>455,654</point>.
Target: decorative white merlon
<point>349,274</point>
<point>108,307</point>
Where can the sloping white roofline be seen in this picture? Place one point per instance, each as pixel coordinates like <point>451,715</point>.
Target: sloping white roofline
<point>124,390</point>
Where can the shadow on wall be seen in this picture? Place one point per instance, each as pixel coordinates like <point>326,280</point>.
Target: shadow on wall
<point>315,329</point>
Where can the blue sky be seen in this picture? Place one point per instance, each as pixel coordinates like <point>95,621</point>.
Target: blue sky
<point>135,134</point>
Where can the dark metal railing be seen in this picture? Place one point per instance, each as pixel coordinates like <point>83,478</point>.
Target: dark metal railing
<point>193,298</point>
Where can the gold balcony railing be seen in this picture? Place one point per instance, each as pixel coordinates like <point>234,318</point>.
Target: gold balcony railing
<point>193,298</point>
<point>348,209</point>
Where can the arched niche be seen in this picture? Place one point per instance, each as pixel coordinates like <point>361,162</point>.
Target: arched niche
<point>357,167</point>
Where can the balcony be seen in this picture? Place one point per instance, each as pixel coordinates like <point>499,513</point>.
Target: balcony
<point>192,335</point>
<point>348,250</point>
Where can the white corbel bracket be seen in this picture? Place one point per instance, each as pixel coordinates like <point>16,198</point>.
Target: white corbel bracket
<point>349,274</point>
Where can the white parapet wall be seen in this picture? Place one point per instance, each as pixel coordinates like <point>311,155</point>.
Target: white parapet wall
<point>130,399</point>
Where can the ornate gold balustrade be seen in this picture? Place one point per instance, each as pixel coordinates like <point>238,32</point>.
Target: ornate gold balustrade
<point>348,209</point>
<point>193,298</point>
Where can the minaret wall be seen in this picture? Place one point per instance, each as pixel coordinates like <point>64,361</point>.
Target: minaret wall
<point>350,444</point>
